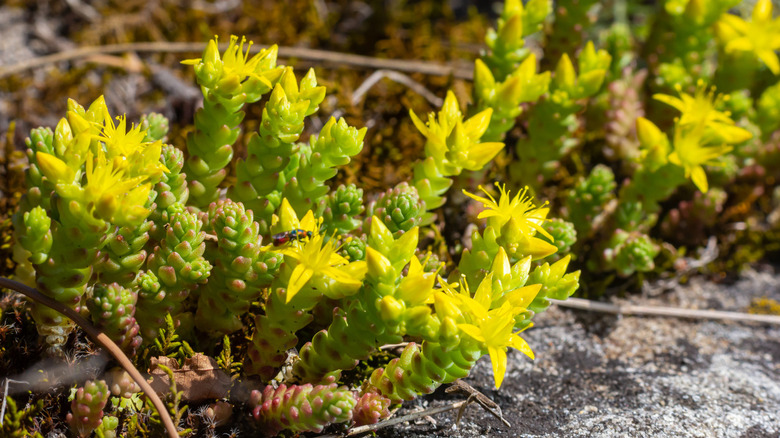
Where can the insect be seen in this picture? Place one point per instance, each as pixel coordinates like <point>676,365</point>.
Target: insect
<point>284,237</point>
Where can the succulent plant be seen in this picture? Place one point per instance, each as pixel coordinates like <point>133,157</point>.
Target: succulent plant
<point>301,408</point>
<point>112,308</point>
<point>87,408</point>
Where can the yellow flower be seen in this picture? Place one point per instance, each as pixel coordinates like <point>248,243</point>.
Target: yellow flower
<point>700,106</point>
<point>111,195</point>
<point>108,193</point>
<point>691,153</point>
<point>493,329</point>
<point>129,150</point>
<point>235,62</point>
<point>417,286</point>
<point>453,142</point>
<point>529,218</point>
<point>760,36</point>
<point>702,133</point>
<point>317,257</point>
<point>118,140</point>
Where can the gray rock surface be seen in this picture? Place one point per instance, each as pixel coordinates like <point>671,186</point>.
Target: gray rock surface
<point>598,375</point>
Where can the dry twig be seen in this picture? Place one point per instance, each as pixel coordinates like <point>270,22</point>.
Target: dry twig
<point>457,386</point>
<point>104,341</point>
<point>392,422</point>
<point>395,76</point>
<point>5,397</point>
<point>489,405</point>
<point>673,312</point>
<point>311,55</point>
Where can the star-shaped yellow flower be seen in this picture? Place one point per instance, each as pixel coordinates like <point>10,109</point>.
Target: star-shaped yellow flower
<point>520,207</point>
<point>701,134</point>
<point>492,328</point>
<point>455,143</point>
<point>701,106</point>
<point>691,153</point>
<point>235,63</point>
<point>129,150</point>
<point>109,193</point>
<point>760,36</point>
<point>315,256</point>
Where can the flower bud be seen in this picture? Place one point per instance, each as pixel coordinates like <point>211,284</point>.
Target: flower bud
<point>378,265</point>
<point>390,308</point>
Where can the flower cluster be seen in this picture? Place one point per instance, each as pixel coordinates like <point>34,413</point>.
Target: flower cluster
<point>702,134</point>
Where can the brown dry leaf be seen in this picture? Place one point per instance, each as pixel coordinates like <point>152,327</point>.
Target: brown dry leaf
<point>199,378</point>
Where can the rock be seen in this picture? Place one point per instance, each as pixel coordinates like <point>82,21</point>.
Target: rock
<point>598,375</point>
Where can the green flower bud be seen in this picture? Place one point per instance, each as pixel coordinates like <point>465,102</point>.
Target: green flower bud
<point>589,198</point>
<point>343,208</point>
<point>400,209</point>
<point>390,309</point>
<point>563,233</point>
<point>36,236</point>
<point>112,309</point>
<point>631,252</point>
<point>155,125</point>
<point>354,250</point>
<point>556,284</point>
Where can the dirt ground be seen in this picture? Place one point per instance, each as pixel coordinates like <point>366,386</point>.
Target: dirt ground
<point>598,375</point>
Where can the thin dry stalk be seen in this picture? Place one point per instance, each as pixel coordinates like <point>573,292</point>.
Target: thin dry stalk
<point>671,312</point>
<point>101,339</point>
<point>311,55</point>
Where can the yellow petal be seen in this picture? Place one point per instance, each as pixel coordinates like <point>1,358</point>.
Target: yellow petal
<point>484,292</point>
<point>472,331</point>
<point>290,252</point>
<point>770,59</point>
<point>523,296</point>
<point>288,219</point>
<point>537,248</point>
<point>762,11</point>
<point>445,305</point>
<point>473,307</point>
<point>336,259</point>
<point>478,123</point>
<point>480,154</point>
<point>341,275</point>
<point>498,360</point>
<point>742,44</point>
<point>308,222</point>
<point>699,178</point>
<point>520,344</point>
<point>54,169</point>
<point>419,124</point>
<point>671,101</point>
<point>299,277</point>
<point>477,198</point>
